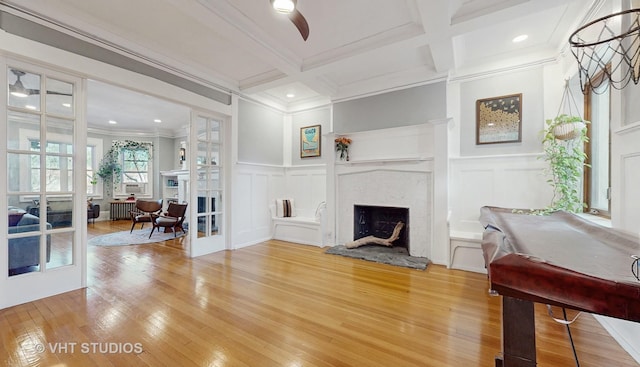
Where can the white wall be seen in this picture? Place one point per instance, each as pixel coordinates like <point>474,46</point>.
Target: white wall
<point>258,181</point>
<point>625,191</point>
<point>505,174</point>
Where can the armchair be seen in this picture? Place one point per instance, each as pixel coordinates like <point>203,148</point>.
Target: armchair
<point>143,211</point>
<point>93,212</point>
<point>173,218</point>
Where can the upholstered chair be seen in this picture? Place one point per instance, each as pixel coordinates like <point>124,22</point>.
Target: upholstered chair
<point>173,218</point>
<point>143,210</point>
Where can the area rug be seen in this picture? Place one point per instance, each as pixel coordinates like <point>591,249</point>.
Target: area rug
<point>137,237</point>
<point>398,256</point>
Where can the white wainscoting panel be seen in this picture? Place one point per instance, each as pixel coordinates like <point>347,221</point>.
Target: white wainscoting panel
<point>307,187</point>
<point>515,181</point>
<point>630,192</point>
<point>255,186</point>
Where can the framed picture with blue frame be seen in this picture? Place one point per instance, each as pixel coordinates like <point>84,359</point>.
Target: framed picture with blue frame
<point>310,141</point>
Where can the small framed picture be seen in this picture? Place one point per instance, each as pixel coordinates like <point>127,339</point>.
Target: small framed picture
<point>499,119</point>
<point>310,141</point>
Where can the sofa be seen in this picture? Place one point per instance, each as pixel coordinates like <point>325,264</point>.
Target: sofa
<point>59,216</point>
<point>25,251</point>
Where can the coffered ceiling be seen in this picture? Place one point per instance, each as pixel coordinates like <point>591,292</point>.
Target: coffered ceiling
<point>355,47</point>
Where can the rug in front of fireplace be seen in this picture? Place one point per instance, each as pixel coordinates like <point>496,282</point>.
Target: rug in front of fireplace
<point>398,256</point>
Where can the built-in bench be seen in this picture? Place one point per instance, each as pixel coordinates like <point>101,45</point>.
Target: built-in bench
<point>469,241</point>
<point>465,247</point>
<point>300,228</point>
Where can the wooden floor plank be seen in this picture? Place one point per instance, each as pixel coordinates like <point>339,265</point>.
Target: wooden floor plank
<point>277,304</point>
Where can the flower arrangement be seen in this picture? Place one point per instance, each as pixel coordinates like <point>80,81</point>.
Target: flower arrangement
<point>342,146</point>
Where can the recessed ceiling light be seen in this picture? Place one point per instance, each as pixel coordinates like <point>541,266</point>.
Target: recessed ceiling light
<point>67,105</point>
<point>157,120</point>
<point>520,38</point>
<point>113,122</point>
<point>290,95</point>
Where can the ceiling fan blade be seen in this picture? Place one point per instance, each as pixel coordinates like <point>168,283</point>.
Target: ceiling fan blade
<point>298,20</point>
<point>58,93</point>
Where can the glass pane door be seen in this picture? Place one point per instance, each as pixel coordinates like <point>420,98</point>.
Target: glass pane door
<point>207,195</point>
<point>41,190</point>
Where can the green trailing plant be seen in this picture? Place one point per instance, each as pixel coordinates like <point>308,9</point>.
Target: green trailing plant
<point>110,167</point>
<point>566,160</point>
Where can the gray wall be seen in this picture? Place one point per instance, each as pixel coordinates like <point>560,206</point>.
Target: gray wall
<point>307,118</point>
<point>166,152</point>
<point>405,107</point>
<point>530,84</point>
<point>260,134</point>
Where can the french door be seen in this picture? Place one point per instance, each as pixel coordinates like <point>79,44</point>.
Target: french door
<point>40,254</point>
<point>206,215</point>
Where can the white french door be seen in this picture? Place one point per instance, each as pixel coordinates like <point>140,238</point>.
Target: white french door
<point>206,220</point>
<point>40,253</point>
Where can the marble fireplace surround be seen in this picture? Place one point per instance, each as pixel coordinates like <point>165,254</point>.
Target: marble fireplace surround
<point>388,187</point>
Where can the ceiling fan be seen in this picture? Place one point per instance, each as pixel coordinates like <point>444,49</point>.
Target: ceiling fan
<point>18,89</point>
<point>289,7</point>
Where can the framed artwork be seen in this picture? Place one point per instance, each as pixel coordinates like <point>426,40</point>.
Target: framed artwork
<point>499,119</point>
<point>310,141</point>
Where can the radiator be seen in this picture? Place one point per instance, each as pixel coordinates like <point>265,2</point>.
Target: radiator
<point>120,209</point>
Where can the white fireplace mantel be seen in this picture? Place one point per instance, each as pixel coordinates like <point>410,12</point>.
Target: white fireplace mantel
<point>403,167</point>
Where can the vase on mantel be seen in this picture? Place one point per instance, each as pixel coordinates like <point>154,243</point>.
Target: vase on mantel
<point>343,154</point>
<point>342,146</point>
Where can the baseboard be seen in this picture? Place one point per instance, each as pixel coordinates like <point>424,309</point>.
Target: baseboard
<point>249,243</point>
<point>624,332</point>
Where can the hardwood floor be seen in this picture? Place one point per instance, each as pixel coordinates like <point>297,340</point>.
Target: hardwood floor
<point>274,304</point>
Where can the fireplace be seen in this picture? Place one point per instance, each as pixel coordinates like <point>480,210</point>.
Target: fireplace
<point>379,221</point>
<point>403,167</point>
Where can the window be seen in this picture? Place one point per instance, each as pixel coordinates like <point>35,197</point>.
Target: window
<point>136,163</point>
<point>59,170</point>
<point>597,175</point>
<point>94,154</point>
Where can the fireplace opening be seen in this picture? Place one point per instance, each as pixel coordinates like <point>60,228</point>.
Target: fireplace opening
<point>379,221</point>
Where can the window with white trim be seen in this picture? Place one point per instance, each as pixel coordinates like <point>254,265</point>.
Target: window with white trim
<point>137,166</point>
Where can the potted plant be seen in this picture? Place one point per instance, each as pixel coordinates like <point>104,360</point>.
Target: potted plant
<point>110,168</point>
<point>563,144</point>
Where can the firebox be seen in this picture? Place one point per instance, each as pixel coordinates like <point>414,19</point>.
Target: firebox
<point>379,221</point>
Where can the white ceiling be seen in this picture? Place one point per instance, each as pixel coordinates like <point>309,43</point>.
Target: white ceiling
<point>355,47</point>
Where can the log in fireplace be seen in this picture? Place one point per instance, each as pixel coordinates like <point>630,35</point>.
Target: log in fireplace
<point>380,221</point>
